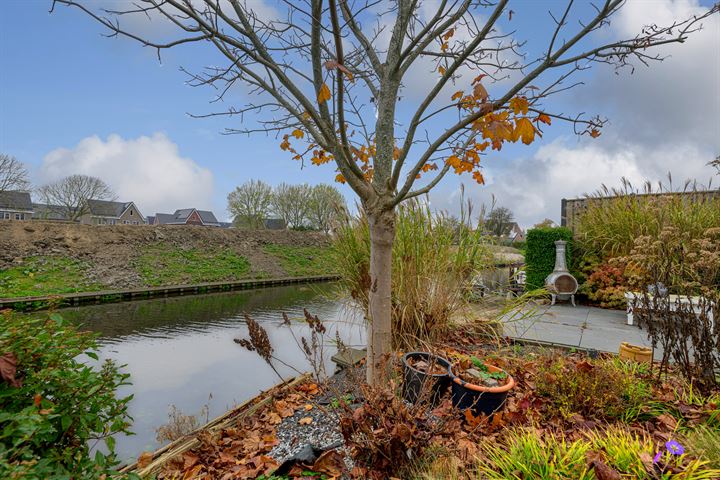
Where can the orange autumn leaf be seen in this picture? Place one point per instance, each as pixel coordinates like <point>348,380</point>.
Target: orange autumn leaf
<point>454,161</point>
<point>594,133</point>
<point>478,177</point>
<point>448,35</point>
<point>480,93</point>
<point>544,118</point>
<point>305,421</point>
<point>478,78</point>
<point>324,94</point>
<point>457,95</point>
<point>339,178</point>
<point>297,133</point>
<point>306,116</point>
<point>524,130</point>
<point>519,105</point>
<point>444,46</point>
<point>429,166</point>
<point>442,70</point>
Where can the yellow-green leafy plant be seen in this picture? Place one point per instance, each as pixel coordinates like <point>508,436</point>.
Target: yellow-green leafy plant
<point>433,262</point>
<point>523,454</point>
<point>527,453</point>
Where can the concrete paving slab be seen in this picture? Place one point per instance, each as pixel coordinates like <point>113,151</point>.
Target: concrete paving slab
<point>586,327</point>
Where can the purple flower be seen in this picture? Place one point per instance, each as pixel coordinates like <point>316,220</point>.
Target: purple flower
<point>674,447</point>
<point>657,457</point>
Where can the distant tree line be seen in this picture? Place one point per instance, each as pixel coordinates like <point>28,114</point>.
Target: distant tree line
<point>299,206</point>
<point>70,193</point>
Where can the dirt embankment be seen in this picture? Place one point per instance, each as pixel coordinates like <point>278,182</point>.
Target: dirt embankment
<point>112,251</point>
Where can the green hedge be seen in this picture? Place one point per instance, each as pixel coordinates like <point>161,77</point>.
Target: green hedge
<point>540,253</point>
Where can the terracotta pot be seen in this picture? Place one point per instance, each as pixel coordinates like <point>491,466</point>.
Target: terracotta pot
<point>479,398</point>
<point>635,353</point>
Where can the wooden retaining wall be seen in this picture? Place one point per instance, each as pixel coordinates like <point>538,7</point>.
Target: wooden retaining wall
<point>108,296</point>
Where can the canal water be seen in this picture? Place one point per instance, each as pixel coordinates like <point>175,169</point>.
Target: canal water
<point>180,351</point>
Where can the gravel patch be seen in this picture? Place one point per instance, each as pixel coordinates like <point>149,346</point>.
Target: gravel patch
<point>322,432</point>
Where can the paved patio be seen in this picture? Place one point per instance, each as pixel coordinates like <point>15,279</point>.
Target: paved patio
<point>581,326</point>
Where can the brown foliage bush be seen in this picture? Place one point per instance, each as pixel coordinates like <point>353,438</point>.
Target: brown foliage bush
<point>386,434</point>
<point>594,389</point>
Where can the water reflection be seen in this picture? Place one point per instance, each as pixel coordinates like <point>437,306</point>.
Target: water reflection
<point>180,350</point>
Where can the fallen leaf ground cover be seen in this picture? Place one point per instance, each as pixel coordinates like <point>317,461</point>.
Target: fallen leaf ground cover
<point>569,416</point>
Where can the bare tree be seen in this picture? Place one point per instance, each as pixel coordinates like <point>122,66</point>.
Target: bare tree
<point>329,77</point>
<point>326,204</point>
<point>72,193</point>
<point>716,163</point>
<point>13,174</point>
<point>249,204</point>
<point>291,203</point>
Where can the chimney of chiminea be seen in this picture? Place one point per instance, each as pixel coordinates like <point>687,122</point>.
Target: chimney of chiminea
<point>560,283</point>
<point>560,252</point>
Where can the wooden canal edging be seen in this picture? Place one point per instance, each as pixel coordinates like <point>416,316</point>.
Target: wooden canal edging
<point>188,442</point>
<point>108,296</point>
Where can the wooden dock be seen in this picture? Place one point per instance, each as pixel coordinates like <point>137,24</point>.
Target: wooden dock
<point>108,296</point>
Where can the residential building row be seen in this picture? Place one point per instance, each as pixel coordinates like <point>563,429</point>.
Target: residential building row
<point>16,205</point>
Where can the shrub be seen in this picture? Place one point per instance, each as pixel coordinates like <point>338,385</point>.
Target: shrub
<point>607,285</point>
<point>687,334</point>
<point>433,261</point>
<point>386,434</point>
<point>540,253</point>
<point>600,389</point>
<point>55,409</point>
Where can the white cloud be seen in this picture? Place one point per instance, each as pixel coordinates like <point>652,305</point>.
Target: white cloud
<point>146,170</point>
<point>677,99</point>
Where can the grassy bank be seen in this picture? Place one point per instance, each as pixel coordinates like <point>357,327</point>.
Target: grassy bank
<point>302,261</point>
<point>162,264</point>
<point>49,275</point>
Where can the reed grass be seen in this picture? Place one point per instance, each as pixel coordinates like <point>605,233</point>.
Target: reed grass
<point>433,260</point>
<point>609,226</point>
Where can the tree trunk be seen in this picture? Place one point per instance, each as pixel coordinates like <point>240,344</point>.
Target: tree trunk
<point>379,333</point>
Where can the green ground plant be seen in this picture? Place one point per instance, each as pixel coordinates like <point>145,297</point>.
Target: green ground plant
<point>47,275</point>
<point>433,261</point>
<point>55,409</point>
<point>163,264</point>
<point>299,261</point>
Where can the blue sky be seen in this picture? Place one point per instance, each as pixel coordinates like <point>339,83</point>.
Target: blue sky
<point>72,101</point>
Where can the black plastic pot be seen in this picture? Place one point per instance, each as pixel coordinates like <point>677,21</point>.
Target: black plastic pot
<point>479,398</point>
<point>415,382</point>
